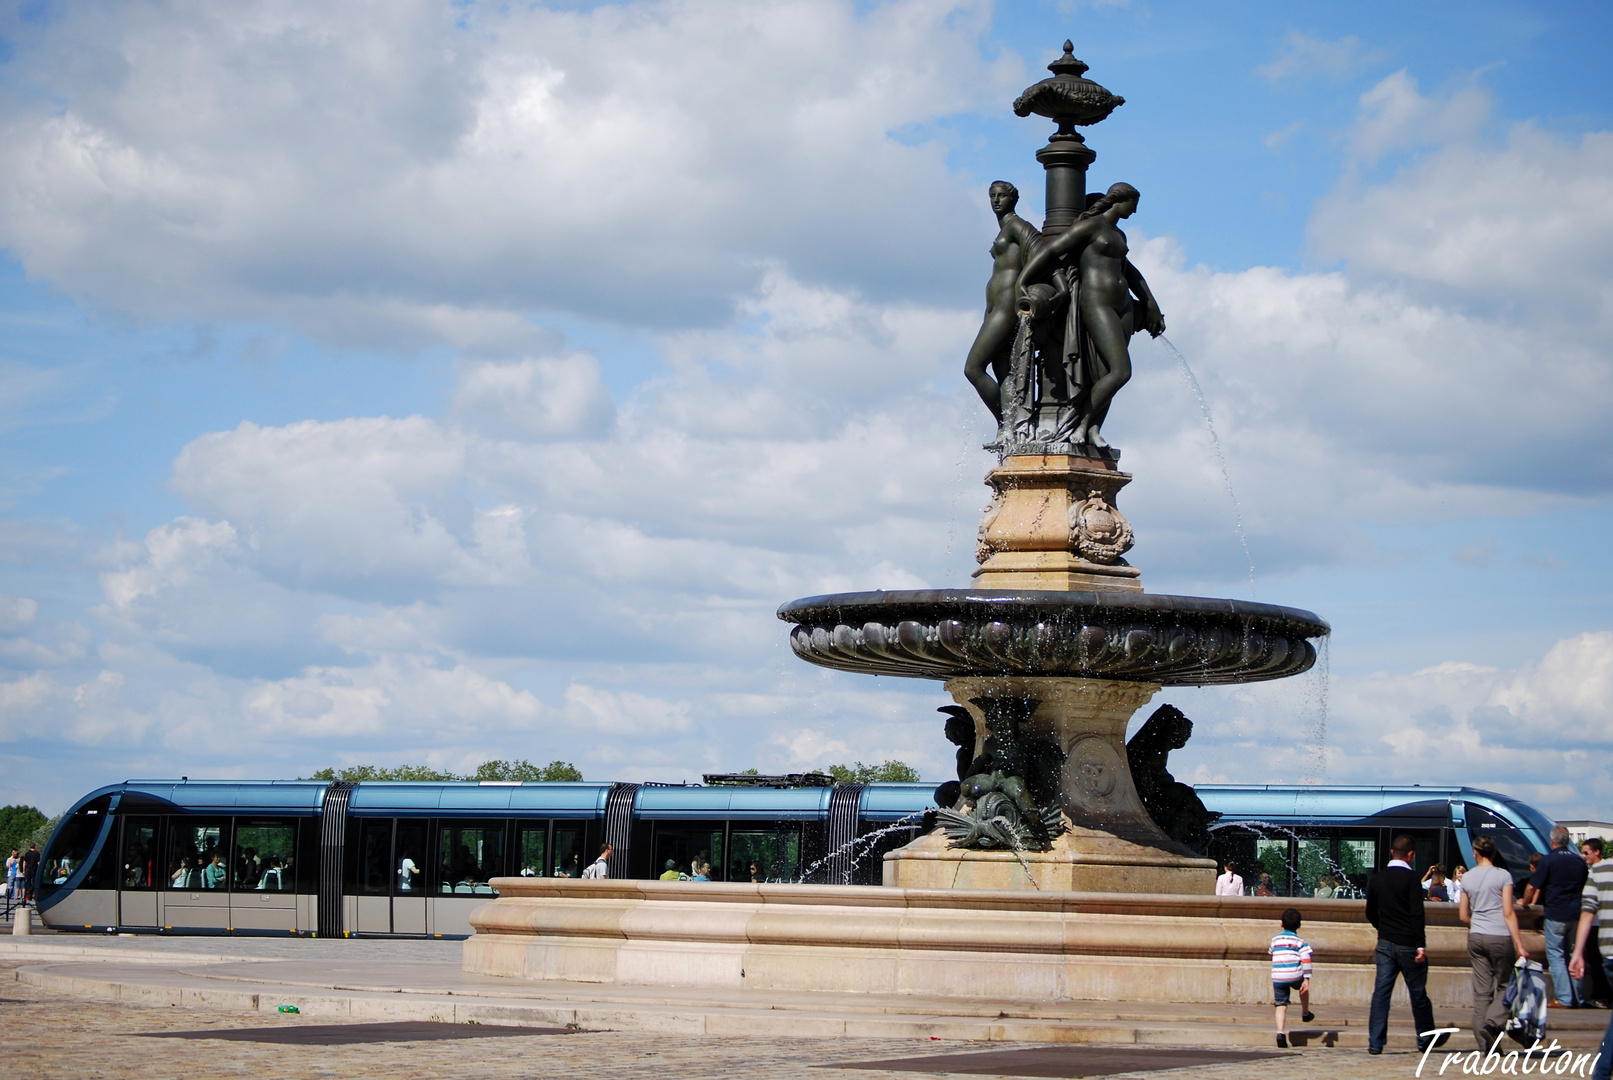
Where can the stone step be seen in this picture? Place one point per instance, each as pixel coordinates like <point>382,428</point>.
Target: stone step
<point>735,1015</point>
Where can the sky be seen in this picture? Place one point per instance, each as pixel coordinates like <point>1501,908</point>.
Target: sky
<point>438,382</point>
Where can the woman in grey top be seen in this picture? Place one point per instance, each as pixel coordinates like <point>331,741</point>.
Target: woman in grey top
<point>1493,942</point>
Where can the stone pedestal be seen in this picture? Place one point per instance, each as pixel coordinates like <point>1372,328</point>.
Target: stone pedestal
<point>1112,844</point>
<point>1052,524</point>
<point>1023,944</point>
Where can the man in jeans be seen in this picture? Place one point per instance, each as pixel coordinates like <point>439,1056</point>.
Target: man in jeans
<point>1561,881</point>
<point>1597,900</point>
<point>1395,908</point>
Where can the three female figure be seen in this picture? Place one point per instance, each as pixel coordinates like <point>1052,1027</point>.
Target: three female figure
<point>1111,298</point>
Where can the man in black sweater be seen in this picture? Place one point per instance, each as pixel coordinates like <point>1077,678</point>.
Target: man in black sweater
<point>1395,908</point>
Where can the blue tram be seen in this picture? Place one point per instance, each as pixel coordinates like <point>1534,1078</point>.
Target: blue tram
<point>413,859</point>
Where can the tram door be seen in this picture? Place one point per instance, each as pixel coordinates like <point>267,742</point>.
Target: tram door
<point>138,873</point>
<point>409,878</point>
<point>373,903</point>
<point>196,893</point>
<point>264,894</point>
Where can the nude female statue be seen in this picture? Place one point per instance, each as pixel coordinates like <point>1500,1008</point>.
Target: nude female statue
<point>1016,241</point>
<point>1105,284</point>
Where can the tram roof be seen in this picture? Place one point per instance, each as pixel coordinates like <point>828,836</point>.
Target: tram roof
<point>1291,803</point>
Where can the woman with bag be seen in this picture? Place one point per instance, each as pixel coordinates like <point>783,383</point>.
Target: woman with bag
<point>1493,942</point>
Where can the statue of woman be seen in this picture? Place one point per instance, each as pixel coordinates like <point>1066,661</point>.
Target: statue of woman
<point>1112,298</point>
<point>1016,240</point>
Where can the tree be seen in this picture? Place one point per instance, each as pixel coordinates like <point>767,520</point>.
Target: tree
<point>17,824</point>
<point>526,771</point>
<point>41,833</point>
<point>488,770</point>
<point>887,772</point>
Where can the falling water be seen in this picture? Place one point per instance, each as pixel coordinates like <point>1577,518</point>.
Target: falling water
<point>1316,730</point>
<point>1215,443</point>
<point>1260,827</point>
<point>1019,853</point>
<point>857,841</point>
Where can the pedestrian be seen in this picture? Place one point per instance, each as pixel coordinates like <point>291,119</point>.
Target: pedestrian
<point>1597,988</point>
<point>13,863</point>
<point>1493,942</point>
<point>1395,909</point>
<point>1596,906</point>
<point>1455,883</point>
<point>1264,888</point>
<point>1290,971</point>
<point>600,867</point>
<point>1229,883</point>
<point>1596,980</point>
<point>30,871</point>
<point>671,871</point>
<point>1531,894</point>
<point>1434,883</point>
<point>1561,882</point>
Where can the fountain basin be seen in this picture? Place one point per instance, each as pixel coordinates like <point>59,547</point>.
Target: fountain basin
<point>1127,636</point>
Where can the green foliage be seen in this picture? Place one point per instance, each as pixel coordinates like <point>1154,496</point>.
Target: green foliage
<point>41,834</point>
<point>17,824</point>
<point>888,772</point>
<point>526,771</point>
<point>488,770</point>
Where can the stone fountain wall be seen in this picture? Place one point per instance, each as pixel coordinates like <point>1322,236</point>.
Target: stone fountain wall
<point>1025,945</point>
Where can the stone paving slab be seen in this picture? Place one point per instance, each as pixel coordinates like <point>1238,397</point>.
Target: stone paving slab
<point>54,1036</point>
<point>79,1006</point>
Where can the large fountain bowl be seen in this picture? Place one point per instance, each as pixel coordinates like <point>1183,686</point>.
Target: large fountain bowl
<point>1128,636</point>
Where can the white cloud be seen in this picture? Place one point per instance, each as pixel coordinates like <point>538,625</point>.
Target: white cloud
<point>542,397</point>
<point>1306,56</point>
<point>1396,116</point>
<point>415,171</point>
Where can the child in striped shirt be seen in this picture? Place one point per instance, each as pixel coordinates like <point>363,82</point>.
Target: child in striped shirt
<point>1290,971</point>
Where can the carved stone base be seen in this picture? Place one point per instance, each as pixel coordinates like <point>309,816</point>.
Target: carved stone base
<point>1082,860</point>
<point>1112,846</point>
<point>1052,524</point>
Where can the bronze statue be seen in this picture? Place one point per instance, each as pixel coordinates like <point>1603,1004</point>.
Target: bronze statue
<point>1016,241</point>
<point>1110,302</point>
<point>1175,807</point>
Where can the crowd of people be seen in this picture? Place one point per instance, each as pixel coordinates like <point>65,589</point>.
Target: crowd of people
<point>22,875</point>
<point>1573,888</point>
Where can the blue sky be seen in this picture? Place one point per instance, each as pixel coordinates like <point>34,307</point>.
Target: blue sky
<point>474,382</point>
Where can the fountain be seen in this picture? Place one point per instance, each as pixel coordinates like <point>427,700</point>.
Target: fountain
<point>1044,850</point>
<point>1058,645</point>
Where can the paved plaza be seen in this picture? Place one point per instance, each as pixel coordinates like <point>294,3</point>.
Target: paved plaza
<point>181,1007</point>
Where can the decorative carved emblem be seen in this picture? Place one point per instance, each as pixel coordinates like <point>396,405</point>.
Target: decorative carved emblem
<point>985,549</point>
<point>1098,533</point>
<point>1093,769</point>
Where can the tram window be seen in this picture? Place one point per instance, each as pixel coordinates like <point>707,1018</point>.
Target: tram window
<point>138,868</point>
<point>375,857</point>
<point>1512,849</point>
<point>73,845</point>
<point>1315,862</point>
<point>774,855</point>
<point>568,840</point>
<point>530,848</point>
<point>1357,859</point>
<point>265,855</point>
<point>196,849</point>
<point>1272,855</point>
<point>693,853</point>
<point>469,856</point>
<point>411,856</point>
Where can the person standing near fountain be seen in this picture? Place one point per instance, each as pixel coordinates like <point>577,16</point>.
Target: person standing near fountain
<point>1395,909</point>
<point>1290,972</point>
<point>1229,883</point>
<point>1493,941</point>
<point>1560,880</point>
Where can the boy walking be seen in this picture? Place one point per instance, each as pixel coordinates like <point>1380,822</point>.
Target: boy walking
<point>1290,971</point>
